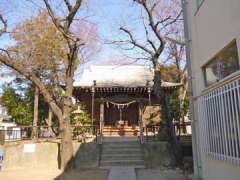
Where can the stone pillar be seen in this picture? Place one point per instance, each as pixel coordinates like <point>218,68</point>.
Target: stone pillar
<point>92,113</point>
<point>101,121</point>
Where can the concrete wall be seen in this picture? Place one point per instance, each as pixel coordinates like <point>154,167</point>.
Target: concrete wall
<point>16,158</point>
<point>158,155</point>
<point>212,27</point>
<point>217,170</point>
<point>46,156</point>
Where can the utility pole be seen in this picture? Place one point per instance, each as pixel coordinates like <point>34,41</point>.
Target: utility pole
<point>196,154</point>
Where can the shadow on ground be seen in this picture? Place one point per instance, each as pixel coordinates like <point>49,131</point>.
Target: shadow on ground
<point>84,164</point>
<point>151,174</point>
<point>83,174</point>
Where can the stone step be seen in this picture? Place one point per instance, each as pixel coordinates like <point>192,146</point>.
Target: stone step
<point>117,143</point>
<point>134,166</point>
<point>116,130</point>
<point>120,139</point>
<point>121,151</point>
<point>123,145</point>
<point>117,157</point>
<point>114,127</point>
<point>121,133</point>
<point>122,163</point>
<point>124,128</point>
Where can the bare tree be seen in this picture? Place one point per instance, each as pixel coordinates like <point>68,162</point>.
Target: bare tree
<point>70,64</point>
<point>157,26</point>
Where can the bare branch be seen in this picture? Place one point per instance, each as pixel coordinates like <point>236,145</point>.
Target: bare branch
<point>182,43</point>
<point>52,15</point>
<point>173,20</point>
<point>4,23</point>
<point>72,14</point>
<point>135,43</point>
<point>8,61</point>
<point>68,4</point>
<point>148,38</point>
<point>162,21</point>
<point>151,20</point>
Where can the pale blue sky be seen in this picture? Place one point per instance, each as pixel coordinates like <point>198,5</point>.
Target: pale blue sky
<point>108,15</point>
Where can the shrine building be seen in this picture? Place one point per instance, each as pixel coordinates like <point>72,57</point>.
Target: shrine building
<point>120,99</point>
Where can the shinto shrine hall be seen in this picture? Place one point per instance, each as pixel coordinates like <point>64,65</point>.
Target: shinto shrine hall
<point>120,98</point>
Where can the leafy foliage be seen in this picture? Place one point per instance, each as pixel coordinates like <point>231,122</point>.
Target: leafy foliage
<point>170,73</point>
<point>18,98</point>
<point>41,47</point>
<point>175,105</point>
<point>177,111</point>
<point>81,120</point>
<point>18,107</point>
<point>80,116</point>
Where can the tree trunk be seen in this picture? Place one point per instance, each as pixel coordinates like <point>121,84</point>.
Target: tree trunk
<point>35,114</point>
<point>166,124</point>
<point>66,130</point>
<point>66,148</point>
<point>182,97</point>
<point>49,122</point>
<point>167,131</point>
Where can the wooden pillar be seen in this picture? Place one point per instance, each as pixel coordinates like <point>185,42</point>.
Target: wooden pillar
<point>141,122</point>
<point>35,114</point>
<point>92,113</point>
<point>101,121</point>
<point>120,115</point>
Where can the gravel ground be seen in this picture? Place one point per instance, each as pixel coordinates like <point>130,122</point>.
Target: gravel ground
<point>93,174</point>
<point>90,174</point>
<point>150,174</point>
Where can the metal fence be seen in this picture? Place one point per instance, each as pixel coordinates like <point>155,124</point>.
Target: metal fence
<point>219,120</point>
<point>19,133</point>
<point>182,131</point>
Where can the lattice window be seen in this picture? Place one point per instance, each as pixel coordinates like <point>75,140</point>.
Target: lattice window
<point>219,119</point>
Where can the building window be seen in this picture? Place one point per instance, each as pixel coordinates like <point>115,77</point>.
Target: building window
<point>222,65</point>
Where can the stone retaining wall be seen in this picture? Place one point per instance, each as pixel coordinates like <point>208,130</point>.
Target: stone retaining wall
<point>46,155</point>
<point>158,155</point>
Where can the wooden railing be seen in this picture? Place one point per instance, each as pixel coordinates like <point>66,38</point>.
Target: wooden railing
<point>151,132</point>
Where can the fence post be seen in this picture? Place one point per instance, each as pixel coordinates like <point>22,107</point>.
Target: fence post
<point>2,137</point>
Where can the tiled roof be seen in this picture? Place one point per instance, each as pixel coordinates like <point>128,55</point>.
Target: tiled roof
<point>124,76</point>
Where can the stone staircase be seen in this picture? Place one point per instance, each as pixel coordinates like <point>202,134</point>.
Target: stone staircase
<point>123,131</point>
<point>121,151</point>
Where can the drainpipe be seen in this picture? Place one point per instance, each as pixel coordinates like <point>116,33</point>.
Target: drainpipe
<point>196,149</point>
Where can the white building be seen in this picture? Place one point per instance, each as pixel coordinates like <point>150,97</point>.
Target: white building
<point>212,29</point>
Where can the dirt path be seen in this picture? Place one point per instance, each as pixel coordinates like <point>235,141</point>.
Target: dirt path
<point>91,174</point>
<point>54,175</point>
<point>149,174</point>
